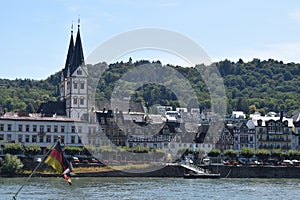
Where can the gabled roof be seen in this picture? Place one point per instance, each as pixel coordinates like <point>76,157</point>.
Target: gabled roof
<point>53,107</point>
<point>134,106</point>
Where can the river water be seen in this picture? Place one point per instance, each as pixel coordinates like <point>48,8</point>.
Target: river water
<point>150,188</point>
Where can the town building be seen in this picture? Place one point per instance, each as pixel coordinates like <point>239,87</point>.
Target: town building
<point>275,132</point>
<point>37,129</point>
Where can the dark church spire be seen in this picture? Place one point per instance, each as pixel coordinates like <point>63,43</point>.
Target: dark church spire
<point>70,54</point>
<point>78,58</point>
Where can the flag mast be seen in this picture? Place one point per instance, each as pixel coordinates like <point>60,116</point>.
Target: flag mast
<point>38,165</point>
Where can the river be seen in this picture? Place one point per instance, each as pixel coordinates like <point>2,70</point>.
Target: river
<point>150,188</point>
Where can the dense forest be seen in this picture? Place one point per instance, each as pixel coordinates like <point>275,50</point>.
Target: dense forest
<point>250,86</point>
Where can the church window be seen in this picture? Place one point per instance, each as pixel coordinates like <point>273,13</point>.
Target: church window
<point>81,101</point>
<point>82,85</point>
<point>75,100</point>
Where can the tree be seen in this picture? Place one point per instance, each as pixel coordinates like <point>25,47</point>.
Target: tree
<point>72,150</point>
<point>13,148</point>
<point>252,109</point>
<point>32,149</point>
<point>243,105</point>
<point>214,153</point>
<point>11,165</point>
<point>277,154</point>
<point>230,153</point>
<point>293,154</point>
<point>247,152</point>
<point>262,154</point>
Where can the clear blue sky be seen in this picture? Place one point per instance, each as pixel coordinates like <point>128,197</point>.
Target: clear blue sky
<point>35,34</point>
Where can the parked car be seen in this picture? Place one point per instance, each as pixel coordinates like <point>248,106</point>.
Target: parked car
<point>75,160</point>
<point>296,162</point>
<point>287,163</point>
<point>94,160</point>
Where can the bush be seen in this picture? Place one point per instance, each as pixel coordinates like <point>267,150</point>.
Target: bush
<point>11,165</point>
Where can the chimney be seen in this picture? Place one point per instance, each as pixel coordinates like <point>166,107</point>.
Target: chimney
<point>281,115</point>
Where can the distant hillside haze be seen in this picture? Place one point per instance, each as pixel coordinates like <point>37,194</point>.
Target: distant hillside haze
<point>261,86</point>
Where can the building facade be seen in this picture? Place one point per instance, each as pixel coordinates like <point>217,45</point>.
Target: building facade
<point>274,133</point>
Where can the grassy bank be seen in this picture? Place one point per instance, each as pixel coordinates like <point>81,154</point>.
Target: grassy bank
<point>92,169</point>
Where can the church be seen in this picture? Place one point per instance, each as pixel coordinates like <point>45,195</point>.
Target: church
<point>62,118</point>
<point>73,87</point>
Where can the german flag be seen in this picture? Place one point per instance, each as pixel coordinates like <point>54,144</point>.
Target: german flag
<point>57,161</point>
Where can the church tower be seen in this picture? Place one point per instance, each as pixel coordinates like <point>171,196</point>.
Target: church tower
<point>73,87</point>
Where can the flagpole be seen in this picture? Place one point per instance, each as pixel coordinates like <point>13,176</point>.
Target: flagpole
<point>38,165</point>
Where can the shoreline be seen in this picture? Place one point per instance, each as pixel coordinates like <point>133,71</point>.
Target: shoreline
<point>178,172</point>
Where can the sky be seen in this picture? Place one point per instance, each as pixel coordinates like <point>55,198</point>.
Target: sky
<point>35,34</point>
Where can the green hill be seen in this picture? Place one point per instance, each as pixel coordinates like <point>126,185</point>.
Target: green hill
<point>251,86</point>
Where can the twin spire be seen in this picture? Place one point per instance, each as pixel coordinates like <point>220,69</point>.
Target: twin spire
<point>75,56</point>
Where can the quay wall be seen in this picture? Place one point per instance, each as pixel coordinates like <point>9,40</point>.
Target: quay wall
<point>225,172</point>
<point>255,171</point>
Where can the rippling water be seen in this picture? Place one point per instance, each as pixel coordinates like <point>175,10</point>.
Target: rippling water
<point>151,188</point>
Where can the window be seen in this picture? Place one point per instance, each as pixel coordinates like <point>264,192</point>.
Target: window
<point>62,129</point>
<point>79,129</point>
<point>55,129</point>
<point>48,138</point>
<point>26,138</point>
<point>20,138</point>
<point>75,85</point>
<point>62,139</point>
<point>1,137</point>
<point>102,121</point>
<point>41,129</point>
<point>48,128</point>
<point>82,85</point>
<point>34,137</point>
<point>20,127</point>
<point>27,127</point>
<point>34,128</point>
<point>72,139</point>
<point>251,138</point>
<point>73,129</point>
<point>79,72</point>
<point>41,139</point>
<point>75,101</point>
<point>8,127</point>
<point>8,137</point>
<point>1,127</point>
<point>81,101</point>
<point>79,140</point>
